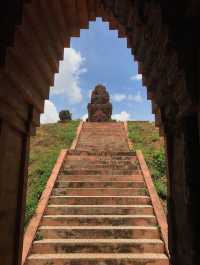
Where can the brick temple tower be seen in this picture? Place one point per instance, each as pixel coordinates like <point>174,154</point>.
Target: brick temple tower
<point>100,108</point>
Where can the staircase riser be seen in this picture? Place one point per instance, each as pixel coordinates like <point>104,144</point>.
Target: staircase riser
<point>99,201</point>
<point>97,248</point>
<point>99,160</point>
<point>102,148</point>
<point>98,192</point>
<point>101,211</point>
<point>79,160</point>
<point>101,155</point>
<point>97,262</point>
<point>98,221</point>
<point>99,234</point>
<point>102,167</point>
<point>100,184</point>
<point>99,177</point>
<point>100,172</point>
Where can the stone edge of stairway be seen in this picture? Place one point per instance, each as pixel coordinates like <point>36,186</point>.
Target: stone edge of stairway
<point>157,206</point>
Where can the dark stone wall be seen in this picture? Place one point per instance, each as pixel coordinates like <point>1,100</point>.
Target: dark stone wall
<point>183,199</point>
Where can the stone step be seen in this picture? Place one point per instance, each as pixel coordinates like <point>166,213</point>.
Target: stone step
<point>94,137</point>
<point>115,143</point>
<point>102,154</point>
<point>101,136</point>
<point>114,132</point>
<point>99,192</point>
<point>102,148</point>
<point>100,172</point>
<point>100,167</point>
<point>103,124</point>
<point>98,259</point>
<point>105,129</point>
<point>100,160</point>
<point>98,209</point>
<point>99,139</point>
<point>107,164</point>
<point>46,246</point>
<point>103,133</point>
<point>63,177</point>
<point>103,200</point>
<point>74,154</point>
<point>100,184</point>
<point>96,126</point>
<point>142,232</point>
<point>115,220</point>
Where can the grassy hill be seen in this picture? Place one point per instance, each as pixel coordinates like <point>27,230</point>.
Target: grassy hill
<point>51,138</point>
<point>145,136</point>
<point>44,150</point>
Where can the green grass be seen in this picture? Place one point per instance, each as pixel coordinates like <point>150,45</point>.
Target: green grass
<point>146,137</point>
<point>44,150</point>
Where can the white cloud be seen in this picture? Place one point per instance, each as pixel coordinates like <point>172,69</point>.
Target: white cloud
<point>136,98</point>
<point>67,82</point>
<point>84,117</point>
<point>50,114</point>
<point>130,97</point>
<point>123,116</point>
<point>136,77</point>
<point>118,97</point>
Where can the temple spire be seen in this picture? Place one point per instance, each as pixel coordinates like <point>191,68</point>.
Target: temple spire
<point>100,108</point>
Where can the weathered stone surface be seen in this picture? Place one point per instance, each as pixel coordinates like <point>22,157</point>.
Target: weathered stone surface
<point>100,109</point>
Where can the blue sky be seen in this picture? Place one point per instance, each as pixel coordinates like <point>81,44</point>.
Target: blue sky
<point>98,56</point>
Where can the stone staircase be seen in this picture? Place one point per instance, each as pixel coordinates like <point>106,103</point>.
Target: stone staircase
<point>109,137</point>
<point>99,211</point>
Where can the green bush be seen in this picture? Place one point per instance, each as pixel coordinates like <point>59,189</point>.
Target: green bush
<point>161,188</point>
<point>158,164</point>
<point>146,137</point>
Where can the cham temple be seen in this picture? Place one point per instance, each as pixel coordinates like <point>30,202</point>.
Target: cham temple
<point>164,40</point>
<point>100,108</point>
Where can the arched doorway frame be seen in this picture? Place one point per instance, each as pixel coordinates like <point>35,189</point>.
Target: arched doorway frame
<point>34,34</point>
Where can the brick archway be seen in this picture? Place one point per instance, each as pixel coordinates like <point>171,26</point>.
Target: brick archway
<point>162,38</point>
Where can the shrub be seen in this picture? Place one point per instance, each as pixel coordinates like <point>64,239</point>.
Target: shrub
<point>158,164</point>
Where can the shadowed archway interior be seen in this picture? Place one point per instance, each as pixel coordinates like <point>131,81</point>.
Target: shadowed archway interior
<point>163,39</point>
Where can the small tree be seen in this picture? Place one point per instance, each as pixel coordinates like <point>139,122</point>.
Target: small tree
<point>65,115</point>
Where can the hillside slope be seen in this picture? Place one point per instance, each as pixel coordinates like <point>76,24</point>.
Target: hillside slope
<point>145,136</point>
<point>44,150</point>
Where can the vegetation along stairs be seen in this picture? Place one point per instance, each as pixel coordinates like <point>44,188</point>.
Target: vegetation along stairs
<point>99,206</point>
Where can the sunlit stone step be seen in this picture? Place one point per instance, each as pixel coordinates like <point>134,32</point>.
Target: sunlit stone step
<point>99,192</point>
<point>98,259</point>
<point>99,209</point>
<point>100,172</point>
<point>151,232</point>
<point>77,177</point>
<point>73,220</point>
<point>98,246</point>
<point>102,200</point>
<point>100,184</point>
